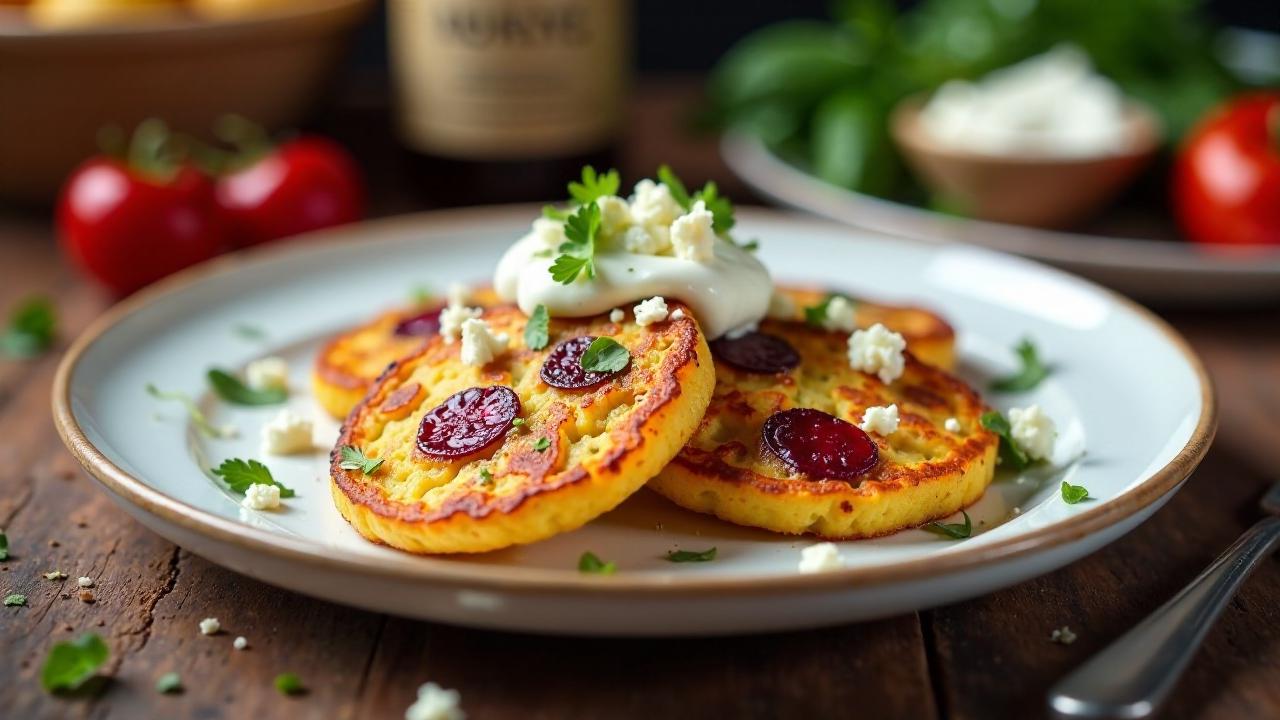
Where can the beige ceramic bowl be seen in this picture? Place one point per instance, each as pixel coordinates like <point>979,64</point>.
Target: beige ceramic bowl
<point>1041,191</point>
<point>57,88</point>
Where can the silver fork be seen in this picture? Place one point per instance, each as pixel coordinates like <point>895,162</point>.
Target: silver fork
<point>1132,677</point>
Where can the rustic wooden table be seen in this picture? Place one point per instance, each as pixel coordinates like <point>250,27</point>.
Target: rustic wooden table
<point>986,658</point>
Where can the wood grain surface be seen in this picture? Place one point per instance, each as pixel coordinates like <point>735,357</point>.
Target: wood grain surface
<point>986,658</point>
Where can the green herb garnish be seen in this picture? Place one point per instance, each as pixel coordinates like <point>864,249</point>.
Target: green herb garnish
<point>289,684</point>
<point>4,547</point>
<point>518,423</point>
<point>240,474</point>
<point>604,355</point>
<point>1033,371</point>
<point>535,331</point>
<point>1010,453</point>
<point>593,186</point>
<point>193,411</point>
<point>32,328</point>
<point>249,332</point>
<point>70,664</point>
<point>816,315</point>
<point>721,209</point>
<point>591,564</point>
<point>353,458</point>
<point>751,245</point>
<point>486,476</point>
<point>683,556</point>
<point>577,255</point>
<point>169,683</point>
<point>541,444</point>
<point>675,186</point>
<point>1072,494</point>
<point>15,600</point>
<point>955,531</point>
<point>551,212</point>
<point>420,295</point>
<point>233,390</point>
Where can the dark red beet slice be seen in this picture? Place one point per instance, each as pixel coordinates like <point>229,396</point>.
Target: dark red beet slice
<point>468,421</point>
<point>563,368</point>
<point>756,352</point>
<point>819,445</point>
<point>423,324</point>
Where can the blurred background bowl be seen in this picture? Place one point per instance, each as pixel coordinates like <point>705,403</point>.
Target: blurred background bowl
<point>59,87</point>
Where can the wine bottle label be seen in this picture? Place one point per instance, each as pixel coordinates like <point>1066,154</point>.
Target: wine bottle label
<point>508,79</point>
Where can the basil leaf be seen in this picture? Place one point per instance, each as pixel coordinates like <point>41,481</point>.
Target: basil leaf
<point>1033,371</point>
<point>1010,453</point>
<point>593,565</point>
<point>1072,494</point>
<point>604,355</point>
<point>354,459</point>
<point>683,556</point>
<point>535,331</point>
<point>32,328</point>
<point>240,474</point>
<point>70,664</point>
<point>230,388</point>
<point>955,531</point>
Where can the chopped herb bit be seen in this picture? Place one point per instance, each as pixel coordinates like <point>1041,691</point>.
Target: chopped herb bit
<point>683,556</point>
<point>486,476</point>
<point>751,245</point>
<point>1072,494</point>
<point>541,444</point>
<point>233,390</point>
<point>551,212</point>
<point>678,191</point>
<point>955,531</point>
<point>240,474</point>
<point>193,411</point>
<point>604,355</point>
<point>15,600</point>
<point>289,684</point>
<point>70,664</point>
<point>420,295</point>
<point>816,315</point>
<point>519,423</point>
<point>535,331</point>
<point>1010,454</point>
<point>1033,371</point>
<point>721,209</point>
<point>249,332</point>
<point>4,547</point>
<point>591,564</point>
<point>578,253</point>
<point>33,325</point>
<point>593,186</point>
<point>169,683</point>
<point>353,458</point>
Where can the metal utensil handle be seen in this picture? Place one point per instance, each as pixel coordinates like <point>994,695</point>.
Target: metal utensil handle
<point>1133,675</point>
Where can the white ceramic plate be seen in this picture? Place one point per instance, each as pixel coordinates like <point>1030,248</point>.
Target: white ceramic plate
<point>1133,405</point>
<point>1164,271</point>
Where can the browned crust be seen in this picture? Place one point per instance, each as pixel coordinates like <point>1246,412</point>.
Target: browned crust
<point>937,328</point>
<point>335,372</point>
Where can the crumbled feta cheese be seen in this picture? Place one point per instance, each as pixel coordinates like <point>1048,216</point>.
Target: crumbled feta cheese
<point>452,317</point>
<point>840,315</point>
<point>240,643</point>
<point>1033,431</point>
<point>952,425</point>
<point>652,204</point>
<point>268,373</point>
<point>84,581</point>
<point>877,350</point>
<point>677,314</point>
<point>692,235</point>
<point>261,496</point>
<point>287,433</point>
<point>480,345</point>
<point>617,315</point>
<point>1063,636</point>
<point>210,626</point>
<point>822,557</point>
<point>880,420</point>
<point>550,234</point>
<point>615,215</point>
<point>435,703</point>
<point>648,312</point>
<point>647,239</point>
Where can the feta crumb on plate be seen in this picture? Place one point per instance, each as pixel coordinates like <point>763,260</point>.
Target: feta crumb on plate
<point>240,643</point>
<point>268,373</point>
<point>1063,636</point>
<point>287,433</point>
<point>822,557</point>
<point>878,350</point>
<point>617,315</point>
<point>452,318</point>
<point>693,236</point>
<point>1033,431</point>
<point>84,581</point>
<point>648,312</point>
<point>260,496</point>
<point>210,626</point>
<point>880,420</point>
<point>840,315</point>
<point>435,703</point>
<point>677,314</point>
<point>480,345</point>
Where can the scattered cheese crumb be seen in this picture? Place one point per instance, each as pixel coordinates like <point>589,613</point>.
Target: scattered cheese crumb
<point>952,425</point>
<point>617,315</point>
<point>210,626</point>
<point>840,315</point>
<point>781,307</point>
<point>1033,431</point>
<point>84,581</point>
<point>268,373</point>
<point>647,239</point>
<point>615,215</point>
<point>261,496</point>
<point>240,643</point>
<point>550,234</point>
<point>55,575</point>
<point>1017,511</point>
<point>877,350</point>
<point>677,314</point>
<point>653,310</point>
<point>880,420</point>
<point>479,345</point>
<point>1063,636</point>
<point>452,318</point>
<point>822,557</point>
<point>435,703</point>
<point>652,204</point>
<point>692,235</point>
<point>287,433</point>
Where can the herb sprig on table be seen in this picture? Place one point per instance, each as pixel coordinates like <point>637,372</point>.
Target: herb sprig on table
<point>32,329</point>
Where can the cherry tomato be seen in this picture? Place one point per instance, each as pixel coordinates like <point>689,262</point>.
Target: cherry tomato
<point>127,228</point>
<point>1226,183</point>
<point>304,184</point>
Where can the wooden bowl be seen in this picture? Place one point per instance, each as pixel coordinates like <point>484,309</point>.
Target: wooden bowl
<point>1038,190</point>
<point>58,88</point>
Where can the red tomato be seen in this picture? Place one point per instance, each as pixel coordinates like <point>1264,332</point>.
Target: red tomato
<point>304,184</point>
<point>127,229</point>
<point>1226,183</point>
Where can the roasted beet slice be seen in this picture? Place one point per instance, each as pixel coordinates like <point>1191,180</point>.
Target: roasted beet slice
<point>468,421</point>
<point>819,445</point>
<point>423,324</point>
<point>563,368</point>
<point>756,352</point>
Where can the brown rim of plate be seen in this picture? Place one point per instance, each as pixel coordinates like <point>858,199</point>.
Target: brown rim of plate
<point>534,580</point>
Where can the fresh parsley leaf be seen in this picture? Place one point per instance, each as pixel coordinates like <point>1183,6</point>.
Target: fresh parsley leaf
<point>1072,494</point>
<point>1010,453</point>
<point>721,209</point>
<point>353,458</point>
<point>816,315</point>
<point>32,327</point>
<point>4,546</point>
<point>552,212</point>
<point>577,255</point>
<point>565,269</point>
<point>233,390</point>
<point>751,245</point>
<point>240,474</point>
<point>541,444</point>
<point>15,600</point>
<point>249,332</point>
<point>955,531</point>
<point>486,476</point>
<point>169,683</point>
<point>535,331</point>
<point>591,564</point>
<point>193,411</point>
<point>605,355</point>
<point>678,191</point>
<point>289,684</point>
<point>594,186</point>
<point>683,556</point>
<point>70,664</point>
<point>1033,371</point>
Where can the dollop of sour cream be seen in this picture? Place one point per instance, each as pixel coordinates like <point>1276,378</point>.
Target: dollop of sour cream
<point>726,287</point>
